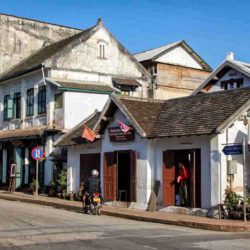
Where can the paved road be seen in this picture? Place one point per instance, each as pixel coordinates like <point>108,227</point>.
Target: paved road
<point>28,226</point>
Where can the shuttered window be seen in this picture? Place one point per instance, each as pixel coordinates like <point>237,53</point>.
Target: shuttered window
<point>8,107</point>
<point>30,102</point>
<point>42,99</point>
<point>17,105</point>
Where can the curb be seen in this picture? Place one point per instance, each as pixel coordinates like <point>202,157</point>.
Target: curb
<point>190,224</point>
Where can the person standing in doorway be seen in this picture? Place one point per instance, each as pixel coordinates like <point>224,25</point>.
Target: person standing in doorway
<point>182,178</point>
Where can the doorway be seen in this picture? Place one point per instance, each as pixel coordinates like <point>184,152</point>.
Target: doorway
<point>171,188</point>
<point>88,162</point>
<point>120,176</point>
<point>123,176</point>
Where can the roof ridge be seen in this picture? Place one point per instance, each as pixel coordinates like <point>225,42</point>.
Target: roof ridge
<point>8,73</point>
<point>173,43</point>
<point>139,99</point>
<point>39,21</point>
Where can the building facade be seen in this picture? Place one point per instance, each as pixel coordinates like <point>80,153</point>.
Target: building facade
<point>176,69</point>
<point>48,93</point>
<point>193,130</point>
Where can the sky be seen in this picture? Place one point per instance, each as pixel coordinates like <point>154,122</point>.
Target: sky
<point>212,28</point>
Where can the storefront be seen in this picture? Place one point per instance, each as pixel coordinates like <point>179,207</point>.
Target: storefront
<point>161,135</point>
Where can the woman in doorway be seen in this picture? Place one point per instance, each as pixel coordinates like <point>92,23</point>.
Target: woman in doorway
<point>182,178</point>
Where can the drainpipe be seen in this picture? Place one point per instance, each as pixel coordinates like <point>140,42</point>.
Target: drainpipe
<point>44,81</point>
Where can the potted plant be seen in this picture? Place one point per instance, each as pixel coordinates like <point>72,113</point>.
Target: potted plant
<point>33,186</point>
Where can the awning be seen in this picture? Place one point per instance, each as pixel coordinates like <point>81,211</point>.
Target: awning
<point>126,82</point>
<point>24,133</point>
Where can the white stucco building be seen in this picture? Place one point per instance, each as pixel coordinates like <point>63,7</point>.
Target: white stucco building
<point>53,89</point>
<point>191,129</point>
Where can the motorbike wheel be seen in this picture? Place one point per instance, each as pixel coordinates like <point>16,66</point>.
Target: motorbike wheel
<point>85,210</point>
<point>95,211</point>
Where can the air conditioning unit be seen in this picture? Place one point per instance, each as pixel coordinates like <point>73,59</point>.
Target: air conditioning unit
<point>12,126</point>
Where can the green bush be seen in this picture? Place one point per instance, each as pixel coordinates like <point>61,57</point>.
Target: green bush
<point>231,197</point>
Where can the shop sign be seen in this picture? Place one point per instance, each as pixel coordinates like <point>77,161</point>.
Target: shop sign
<point>117,135</point>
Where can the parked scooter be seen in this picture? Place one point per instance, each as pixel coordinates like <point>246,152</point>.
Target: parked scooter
<point>93,204</point>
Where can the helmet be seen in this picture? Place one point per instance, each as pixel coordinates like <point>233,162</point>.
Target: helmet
<point>94,172</point>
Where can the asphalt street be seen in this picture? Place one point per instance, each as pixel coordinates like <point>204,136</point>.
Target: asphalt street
<point>29,226</point>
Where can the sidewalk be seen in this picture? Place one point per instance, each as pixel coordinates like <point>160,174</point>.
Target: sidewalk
<point>157,217</point>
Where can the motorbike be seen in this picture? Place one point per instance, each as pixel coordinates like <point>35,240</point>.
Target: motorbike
<point>93,204</point>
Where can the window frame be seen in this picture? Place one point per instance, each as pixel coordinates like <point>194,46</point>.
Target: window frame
<point>8,106</point>
<point>30,102</point>
<point>41,102</point>
<point>17,105</point>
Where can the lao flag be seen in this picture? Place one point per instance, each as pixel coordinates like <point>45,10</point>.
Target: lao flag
<point>88,134</point>
<point>123,126</point>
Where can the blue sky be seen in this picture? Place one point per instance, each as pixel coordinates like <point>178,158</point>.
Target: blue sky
<point>211,28</point>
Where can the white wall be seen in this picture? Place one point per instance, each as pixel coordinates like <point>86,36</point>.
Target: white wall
<point>192,142</point>
<point>73,163</point>
<point>78,106</point>
<point>179,56</point>
<point>140,146</point>
<point>230,74</point>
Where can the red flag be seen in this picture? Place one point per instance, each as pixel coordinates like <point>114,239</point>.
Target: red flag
<point>123,126</point>
<point>88,134</point>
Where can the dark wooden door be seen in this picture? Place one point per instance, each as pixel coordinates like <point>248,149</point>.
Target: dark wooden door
<point>110,176</point>
<point>133,176</point>
<point>168,178</point>
<point>88,162</point>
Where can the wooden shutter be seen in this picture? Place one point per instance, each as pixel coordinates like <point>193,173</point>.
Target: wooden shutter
<point>110,172</point>
<point>133,176</point>
<point>168,178</point>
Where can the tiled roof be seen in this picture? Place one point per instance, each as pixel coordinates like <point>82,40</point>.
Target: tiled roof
<point>126,81</point>
<point>200,114</point>
<point>23,133</point>
<point>74,136</point>
<point>143,111</point>
<point>36,59</point>
<point>192,115</point>
<point>83,85</point>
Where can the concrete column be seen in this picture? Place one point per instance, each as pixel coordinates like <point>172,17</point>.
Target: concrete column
<point>26,164</point>
<point>48,165</point>
<point>50,105</point>
<point>215,169</point>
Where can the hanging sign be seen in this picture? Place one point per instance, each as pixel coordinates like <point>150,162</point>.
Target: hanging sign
<point>37,153</point>
<point>117,135</point>
<point>233,150</point>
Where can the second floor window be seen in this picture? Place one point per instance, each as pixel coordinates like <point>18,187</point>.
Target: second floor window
<point>8,107</point>
<point>17,105</point>
<point>42,99</point>
<point>30,102</point>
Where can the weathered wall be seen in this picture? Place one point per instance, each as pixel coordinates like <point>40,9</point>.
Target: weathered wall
<point>181,79</point>
<point>19,37</point>
<point>231,74</point>
<point>179,56</point>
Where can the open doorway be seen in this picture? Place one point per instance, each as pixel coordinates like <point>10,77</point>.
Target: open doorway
<point>120,176</point>
<point>185,193</point>
<point>123,175</point>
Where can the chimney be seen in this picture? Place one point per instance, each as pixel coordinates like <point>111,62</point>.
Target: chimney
<point>99,21</point>
<point>230,56</point>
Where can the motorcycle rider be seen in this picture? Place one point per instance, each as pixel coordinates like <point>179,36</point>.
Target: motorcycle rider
<point>92,185</point>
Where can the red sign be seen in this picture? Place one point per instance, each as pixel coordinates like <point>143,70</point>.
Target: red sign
<point>37,153</point>
<point>117,135</point>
